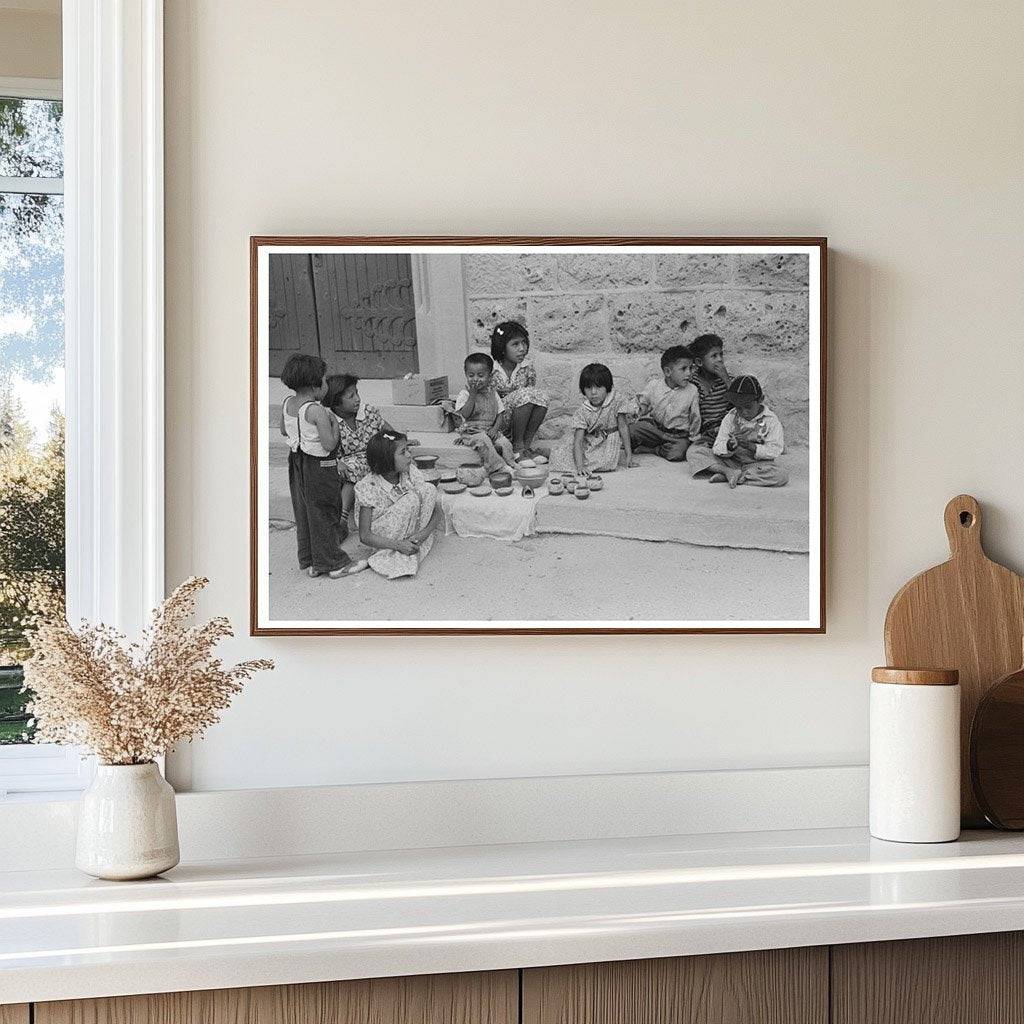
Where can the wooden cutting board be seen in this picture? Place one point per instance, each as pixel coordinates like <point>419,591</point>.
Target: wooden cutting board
<point>967,614</point>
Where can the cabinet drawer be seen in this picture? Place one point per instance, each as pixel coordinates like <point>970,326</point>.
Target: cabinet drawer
<point>960,979</point>
<point>478,998</point>
<point>777,986</point>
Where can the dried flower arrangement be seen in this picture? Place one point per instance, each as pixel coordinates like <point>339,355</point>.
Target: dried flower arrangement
<point>130,703</point>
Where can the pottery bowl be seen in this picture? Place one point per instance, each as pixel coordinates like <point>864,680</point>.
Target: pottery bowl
<point>425,461</point>
<point>570,486</point>
<point>503,492</point>
<point>500,479</point>
<point>556,486</point>
<point>532,477</point>
<point>595,483</point>
<point>582,492</point>
<point>481,492</point>
<point>453,488</point>
<point>471,476</point>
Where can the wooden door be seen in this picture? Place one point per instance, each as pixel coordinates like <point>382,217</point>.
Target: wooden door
<point>478,998</point>
<point>14,1013</point>
<point>291,307</point>
<point>776,986</point>
<point>365,312</point>
<point>960,979</point>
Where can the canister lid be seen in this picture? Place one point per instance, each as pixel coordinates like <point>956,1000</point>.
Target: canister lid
<point>916,676</point>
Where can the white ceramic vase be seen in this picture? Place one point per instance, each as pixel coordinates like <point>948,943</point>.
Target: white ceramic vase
<point>127,825</point>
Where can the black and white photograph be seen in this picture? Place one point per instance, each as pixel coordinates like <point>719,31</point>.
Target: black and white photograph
<point>540,435</point>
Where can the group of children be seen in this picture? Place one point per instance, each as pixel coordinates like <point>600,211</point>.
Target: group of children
<point>720,425</point>
<point>344,453</point>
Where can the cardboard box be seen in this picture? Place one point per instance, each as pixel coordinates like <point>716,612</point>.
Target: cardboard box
<point>419,390</point>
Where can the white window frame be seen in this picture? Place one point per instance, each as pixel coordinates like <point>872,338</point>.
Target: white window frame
<point>114,326</point>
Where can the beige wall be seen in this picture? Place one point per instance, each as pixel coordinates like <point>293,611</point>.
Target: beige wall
<point>895,129</point>
<point>30,43</point>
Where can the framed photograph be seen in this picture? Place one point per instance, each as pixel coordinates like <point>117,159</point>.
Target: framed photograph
<point>537,435</point>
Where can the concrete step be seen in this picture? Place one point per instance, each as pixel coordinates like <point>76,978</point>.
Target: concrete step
<point>657,501</point>
<point>660,501</point>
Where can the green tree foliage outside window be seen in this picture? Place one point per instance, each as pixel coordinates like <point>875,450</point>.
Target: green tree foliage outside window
<point>31,352</point>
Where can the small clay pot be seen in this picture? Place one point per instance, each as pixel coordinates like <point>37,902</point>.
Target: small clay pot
<point>582,492</point>
<point>527,491</point>
<point>570,486</point>
<point>500,479</point>
<point>555,486</point>
<point>595,483</point>
<point>425,461</point>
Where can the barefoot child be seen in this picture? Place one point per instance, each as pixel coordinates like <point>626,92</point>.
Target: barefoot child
<point>749,440</point>
<point>600,432</point>
<point>712,381</point>
<point>481,414</point>
<point>398,509</point>
<point>669,408</point>
<point>515,380</point>
<point>312,434</point>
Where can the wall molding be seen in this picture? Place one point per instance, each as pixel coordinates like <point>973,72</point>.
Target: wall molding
<point>114,308</point>
<point>241,824</point>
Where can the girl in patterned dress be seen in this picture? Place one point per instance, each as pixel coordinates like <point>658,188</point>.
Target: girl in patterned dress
<point>515,380</point>
<point>600,430</point>
<point>357,423</point>
<point>398,509</point>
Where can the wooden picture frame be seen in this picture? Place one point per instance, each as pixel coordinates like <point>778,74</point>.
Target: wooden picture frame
<point>751,255</point>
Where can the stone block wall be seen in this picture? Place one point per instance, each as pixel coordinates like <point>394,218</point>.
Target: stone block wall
<point>624,310</point>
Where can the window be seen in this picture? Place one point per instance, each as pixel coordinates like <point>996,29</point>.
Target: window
<point>32,565</point>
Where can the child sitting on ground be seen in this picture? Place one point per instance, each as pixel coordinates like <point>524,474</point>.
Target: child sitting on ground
<point>749,440</point>
<point>398,509</point>
<point>480,413</point>
<point>600,432</point>
<point>711,380</point>
<point>515,380</point>
<point>669,409</point>
<point>312,434</point>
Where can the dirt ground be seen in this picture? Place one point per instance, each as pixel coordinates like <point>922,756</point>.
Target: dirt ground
<point>551,576</point>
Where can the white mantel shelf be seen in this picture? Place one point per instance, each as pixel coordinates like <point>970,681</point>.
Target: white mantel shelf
<point>264,922</point>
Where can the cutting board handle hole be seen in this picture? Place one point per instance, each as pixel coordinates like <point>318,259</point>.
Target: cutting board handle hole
<point>966,519</point>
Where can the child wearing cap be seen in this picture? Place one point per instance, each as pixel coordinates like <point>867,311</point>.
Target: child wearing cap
<point>749,439</point>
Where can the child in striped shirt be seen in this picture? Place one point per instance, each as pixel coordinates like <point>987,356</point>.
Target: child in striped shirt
<point>712,383</point>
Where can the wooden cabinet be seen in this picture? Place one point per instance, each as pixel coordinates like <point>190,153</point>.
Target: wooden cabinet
<point>962,979</point>
<point>481,998</point>
<point>776,986</point>
<point>969,979</point>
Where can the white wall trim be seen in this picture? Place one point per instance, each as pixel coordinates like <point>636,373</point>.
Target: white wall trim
<point>113,92</point>
<point>31,88</point>
<point>241,824</point>
<point>114,326</point>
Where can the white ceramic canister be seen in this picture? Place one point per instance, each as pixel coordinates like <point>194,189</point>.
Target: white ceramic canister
<point>915,755</point>
<point>127,825</point>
